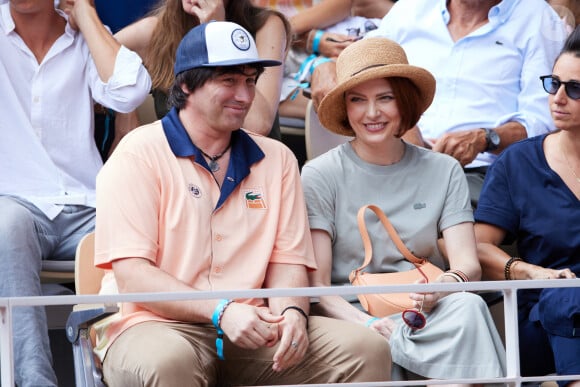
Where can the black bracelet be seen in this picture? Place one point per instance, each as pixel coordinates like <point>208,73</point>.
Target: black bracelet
<point>298,309</point>
<point>508,266</point>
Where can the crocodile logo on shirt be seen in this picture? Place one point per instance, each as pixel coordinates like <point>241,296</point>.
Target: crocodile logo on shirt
<point>254,199</point>
<point>419,206</point>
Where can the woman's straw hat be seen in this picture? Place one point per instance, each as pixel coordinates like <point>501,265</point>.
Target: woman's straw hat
<point>371,58</point>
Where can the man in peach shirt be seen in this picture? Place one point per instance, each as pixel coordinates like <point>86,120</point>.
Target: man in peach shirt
<point>194,202</point>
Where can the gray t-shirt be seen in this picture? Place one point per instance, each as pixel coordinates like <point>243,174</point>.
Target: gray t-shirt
<point>423,194</point>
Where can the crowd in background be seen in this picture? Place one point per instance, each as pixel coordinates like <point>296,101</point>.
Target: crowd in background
<point>466,112</point>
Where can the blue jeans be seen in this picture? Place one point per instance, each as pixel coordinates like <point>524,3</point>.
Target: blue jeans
<point>28,237</point>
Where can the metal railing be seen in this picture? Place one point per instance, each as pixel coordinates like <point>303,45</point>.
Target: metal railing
<point>509,289</point>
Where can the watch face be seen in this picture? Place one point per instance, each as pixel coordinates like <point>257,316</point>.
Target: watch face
<point>492,139</point>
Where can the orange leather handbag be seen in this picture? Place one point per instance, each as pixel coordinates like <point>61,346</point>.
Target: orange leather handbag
<point>381,305</point>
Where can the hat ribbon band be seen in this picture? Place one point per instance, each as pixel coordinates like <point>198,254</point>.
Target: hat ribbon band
<point>366,68</point>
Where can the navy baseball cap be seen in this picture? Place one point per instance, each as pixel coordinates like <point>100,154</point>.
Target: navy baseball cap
<point>218,43</point>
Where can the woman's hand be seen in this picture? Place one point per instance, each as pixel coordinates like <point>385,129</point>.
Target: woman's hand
<point>524,270</point>
<point>205,10</point>
<point>384,326</point>
<point>425,302</point>
<point>75,9</point>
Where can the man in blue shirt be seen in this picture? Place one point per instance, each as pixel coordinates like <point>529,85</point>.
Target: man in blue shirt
<point>486,57</point>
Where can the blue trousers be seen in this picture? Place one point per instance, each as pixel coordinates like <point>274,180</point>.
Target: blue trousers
<point>27,237</point>
<point>549,330</point>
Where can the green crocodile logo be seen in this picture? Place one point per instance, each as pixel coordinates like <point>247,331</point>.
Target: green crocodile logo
<point>252,196</point>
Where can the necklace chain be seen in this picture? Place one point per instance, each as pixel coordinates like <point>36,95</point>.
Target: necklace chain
<point>213,164</point>
<point>568,162</point>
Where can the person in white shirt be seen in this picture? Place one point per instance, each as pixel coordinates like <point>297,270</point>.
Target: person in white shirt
<point>486,56</point>
<point>53,68</point>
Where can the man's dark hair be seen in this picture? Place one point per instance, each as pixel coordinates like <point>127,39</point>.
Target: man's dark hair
<point>197,77</point>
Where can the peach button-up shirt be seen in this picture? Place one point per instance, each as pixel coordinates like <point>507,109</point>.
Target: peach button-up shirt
<point>157,199</point>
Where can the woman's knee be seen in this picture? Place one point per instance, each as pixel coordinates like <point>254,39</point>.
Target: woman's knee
<point>467,302</point>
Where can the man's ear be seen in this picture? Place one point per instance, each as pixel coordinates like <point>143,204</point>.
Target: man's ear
<point>185,89</point>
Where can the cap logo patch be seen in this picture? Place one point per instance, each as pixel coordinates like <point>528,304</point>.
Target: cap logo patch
<point>240,39</point>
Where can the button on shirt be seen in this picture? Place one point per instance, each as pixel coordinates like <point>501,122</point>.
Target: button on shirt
<point>487,78</point>
<point>48,154</point>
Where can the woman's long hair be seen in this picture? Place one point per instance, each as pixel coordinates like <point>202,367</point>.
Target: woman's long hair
<point>173,23</point>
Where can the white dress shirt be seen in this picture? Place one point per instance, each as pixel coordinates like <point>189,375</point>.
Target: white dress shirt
<point>487,78</point>
<point>48,154</point>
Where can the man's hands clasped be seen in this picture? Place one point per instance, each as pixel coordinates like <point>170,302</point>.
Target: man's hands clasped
<point>252,327</point>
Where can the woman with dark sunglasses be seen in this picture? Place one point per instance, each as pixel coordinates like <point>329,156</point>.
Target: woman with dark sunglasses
<point>377,99</point>
<point>532,194</point>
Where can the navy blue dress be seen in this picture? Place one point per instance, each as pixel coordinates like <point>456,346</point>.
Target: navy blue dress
<point>525,197</point>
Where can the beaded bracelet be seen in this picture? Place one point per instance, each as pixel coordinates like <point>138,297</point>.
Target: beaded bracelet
<point>298,309</point>
<point>508,266</point>
<point>216,319</point>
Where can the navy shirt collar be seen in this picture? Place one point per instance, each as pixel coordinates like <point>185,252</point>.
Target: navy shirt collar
<point>244,152</point>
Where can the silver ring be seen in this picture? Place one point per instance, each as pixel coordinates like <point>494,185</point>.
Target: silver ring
<point>294,344</point>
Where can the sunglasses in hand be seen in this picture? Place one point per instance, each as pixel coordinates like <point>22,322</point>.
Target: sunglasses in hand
<point>415,319</point>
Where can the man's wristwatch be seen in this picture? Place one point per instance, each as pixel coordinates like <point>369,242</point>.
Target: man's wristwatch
<point>492,140</point>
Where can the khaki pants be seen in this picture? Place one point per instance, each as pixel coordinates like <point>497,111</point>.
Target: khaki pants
<point>179,354</point>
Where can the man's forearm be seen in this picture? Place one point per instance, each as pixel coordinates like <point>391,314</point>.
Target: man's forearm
<point>509,133</point>
<point>287,276</point>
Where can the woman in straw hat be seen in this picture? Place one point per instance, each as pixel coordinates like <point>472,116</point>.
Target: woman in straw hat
<point>379,96</point>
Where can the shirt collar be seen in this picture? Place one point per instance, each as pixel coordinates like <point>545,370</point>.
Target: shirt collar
<point>68,30</point>
<point>6,19</point>
<point>501,12</point>
<point>244,152</point>
<point>498,14</point>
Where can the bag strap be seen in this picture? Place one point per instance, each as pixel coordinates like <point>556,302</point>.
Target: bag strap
<point>392,233</point>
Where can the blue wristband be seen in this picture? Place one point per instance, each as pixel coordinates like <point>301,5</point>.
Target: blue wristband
<point>370,321</point>
<point>318,61</point>
<point>316,41</point>
<point>216,319</point>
